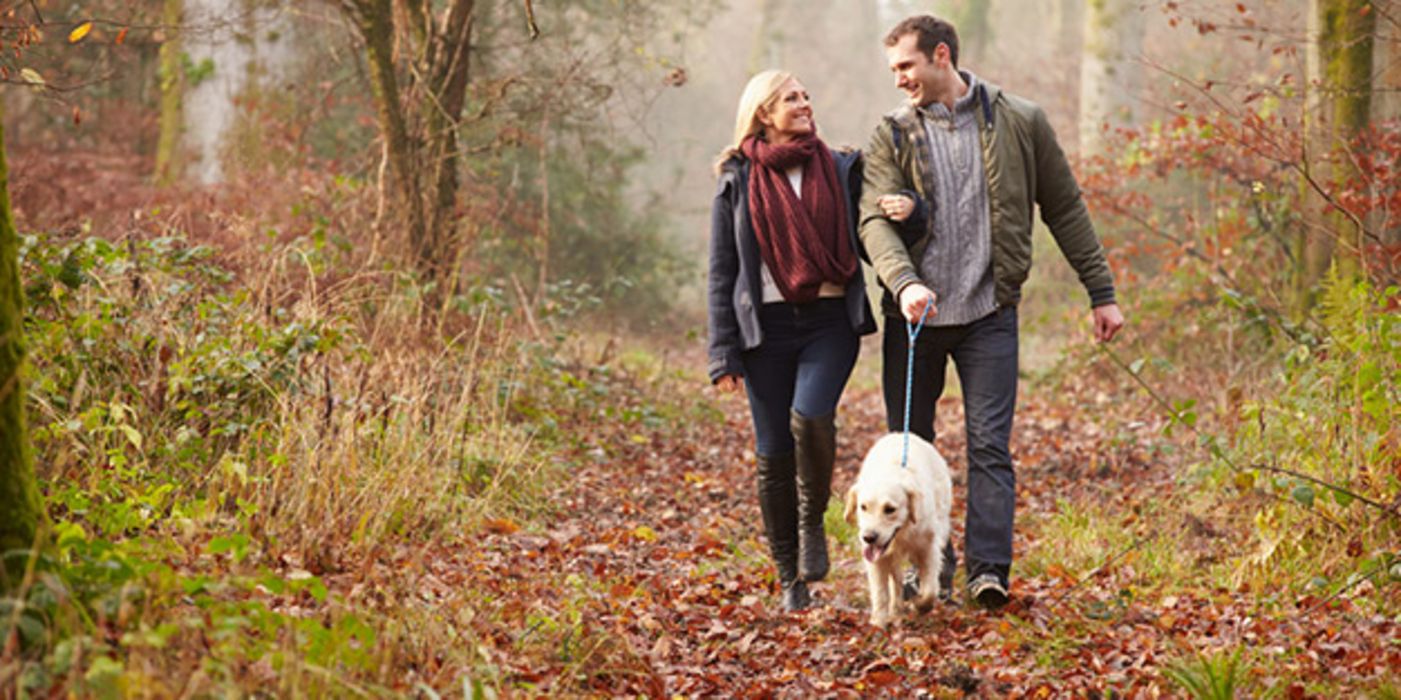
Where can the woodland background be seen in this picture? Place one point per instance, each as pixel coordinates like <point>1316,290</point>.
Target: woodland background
<point>356,349</point>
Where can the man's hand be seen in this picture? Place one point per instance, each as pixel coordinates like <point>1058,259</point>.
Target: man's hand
<point>1108,321</point>
<point>730,383</point>
<point>914,298</point>
<point>896,207</point>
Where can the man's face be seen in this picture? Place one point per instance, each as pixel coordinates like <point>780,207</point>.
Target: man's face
<point>918,75</point>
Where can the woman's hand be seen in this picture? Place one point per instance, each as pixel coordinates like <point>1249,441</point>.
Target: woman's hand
<point>730,383</point>
<point>897,207</point>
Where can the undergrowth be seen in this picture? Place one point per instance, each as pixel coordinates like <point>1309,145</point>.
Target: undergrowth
<point>217,446</point>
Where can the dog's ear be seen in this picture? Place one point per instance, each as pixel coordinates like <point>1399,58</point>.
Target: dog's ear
<point>850,513</point>
<point>912,504</point>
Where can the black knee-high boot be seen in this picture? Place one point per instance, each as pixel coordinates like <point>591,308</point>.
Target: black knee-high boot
<point>778,501</point>
<point>816,454</point>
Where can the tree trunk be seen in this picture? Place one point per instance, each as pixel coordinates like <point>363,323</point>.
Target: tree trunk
<point>1068,27</point>
<point>230,45</point>
<point>1110,72</point>
<point>419,116</point>
<point>375,23</point>
<point>169,159</point>
<point>1337,109</point>
<point>1386,101</point>
<point>450,71</point>
<point>973,18</point>
<point>766,49</point>
<point>20,509</point>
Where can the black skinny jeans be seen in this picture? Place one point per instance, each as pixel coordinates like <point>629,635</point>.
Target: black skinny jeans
<point>985,354</point>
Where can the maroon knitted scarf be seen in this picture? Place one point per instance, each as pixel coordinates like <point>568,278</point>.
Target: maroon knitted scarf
<point>804,242</point>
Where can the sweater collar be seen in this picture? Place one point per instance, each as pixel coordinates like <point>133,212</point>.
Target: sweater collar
<point>964,108</point>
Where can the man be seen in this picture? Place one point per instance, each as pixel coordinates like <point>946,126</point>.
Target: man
<point>980,159</point>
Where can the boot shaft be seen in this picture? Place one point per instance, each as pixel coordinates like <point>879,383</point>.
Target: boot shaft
<point>778,503</point>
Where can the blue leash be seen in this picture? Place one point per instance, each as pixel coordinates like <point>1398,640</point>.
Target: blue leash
<point>911,332</point>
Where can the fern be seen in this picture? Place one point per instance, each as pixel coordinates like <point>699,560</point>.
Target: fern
<point>1215,677</point>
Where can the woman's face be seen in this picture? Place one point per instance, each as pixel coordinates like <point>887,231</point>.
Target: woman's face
<point>791,114</point>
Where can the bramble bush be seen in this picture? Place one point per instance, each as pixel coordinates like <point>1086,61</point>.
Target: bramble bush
<point>214,443</point>
<point>1291,418</point>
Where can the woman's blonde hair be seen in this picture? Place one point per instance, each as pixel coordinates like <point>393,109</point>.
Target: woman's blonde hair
<point>760,94</point>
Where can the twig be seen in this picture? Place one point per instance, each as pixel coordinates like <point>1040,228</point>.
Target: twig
<point>1324,484</point>
<point>1314,608</point>
<point>526,307</point>
<point>1302,167</point>
<point>1102,567</point>
<point>530,20</point>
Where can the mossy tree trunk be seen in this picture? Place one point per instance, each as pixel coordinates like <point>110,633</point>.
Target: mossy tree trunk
<point>1386,106</point>
<point>1337,111</point>
<point>20,510</point>
<point>419,114</point>
<point>169,160</point>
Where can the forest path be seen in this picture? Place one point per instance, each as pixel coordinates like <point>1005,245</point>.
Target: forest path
<point>653,578</point>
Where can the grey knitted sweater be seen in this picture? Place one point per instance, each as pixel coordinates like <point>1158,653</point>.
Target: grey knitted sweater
<point>957,265</point>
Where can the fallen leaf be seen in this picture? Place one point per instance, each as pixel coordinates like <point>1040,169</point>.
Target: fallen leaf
<point>501,526</point>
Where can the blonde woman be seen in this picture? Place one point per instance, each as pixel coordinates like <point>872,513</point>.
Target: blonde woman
<point>788,305</point>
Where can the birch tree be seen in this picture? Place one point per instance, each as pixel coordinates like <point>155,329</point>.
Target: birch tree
<point>1110,72</point>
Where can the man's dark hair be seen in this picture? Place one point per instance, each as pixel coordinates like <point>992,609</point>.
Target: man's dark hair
<point>931,30</point>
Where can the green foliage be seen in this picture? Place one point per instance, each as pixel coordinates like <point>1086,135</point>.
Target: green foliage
<point>150,368</point>
<point>1332,425</point>
<point>1218,676</point>
<point>212,436</point>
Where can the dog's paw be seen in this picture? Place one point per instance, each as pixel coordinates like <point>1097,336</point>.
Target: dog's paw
<point>880,621</point>
<point>925,603</point>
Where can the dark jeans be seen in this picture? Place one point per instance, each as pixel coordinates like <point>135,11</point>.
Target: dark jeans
<point>985,354</point>
<point>802,364</point>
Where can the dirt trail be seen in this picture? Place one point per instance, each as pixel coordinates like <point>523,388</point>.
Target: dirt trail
<point>655,580</point>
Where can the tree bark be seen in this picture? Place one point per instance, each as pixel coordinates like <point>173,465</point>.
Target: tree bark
<point>1337,109</point>
<point>766,49</point>
<point>1110,73</point>
<point>375,23</point>
<point>169,159</point>
<point>419,116</point>
<point>1386,99</point>
<point>20,508</point>
<point>443,106</point>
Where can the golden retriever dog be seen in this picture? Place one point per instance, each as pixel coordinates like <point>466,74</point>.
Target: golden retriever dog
<point>901,514</point>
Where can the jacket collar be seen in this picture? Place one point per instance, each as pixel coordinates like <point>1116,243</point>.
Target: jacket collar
<point>907,116</point>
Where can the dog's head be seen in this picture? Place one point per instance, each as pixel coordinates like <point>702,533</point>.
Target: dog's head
<point>879,510</point>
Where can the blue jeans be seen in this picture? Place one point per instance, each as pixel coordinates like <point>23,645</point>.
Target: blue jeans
<point>985,354</point>
<point>802,365</point>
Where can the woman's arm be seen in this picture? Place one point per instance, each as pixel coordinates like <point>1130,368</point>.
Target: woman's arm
<point>723,340</point>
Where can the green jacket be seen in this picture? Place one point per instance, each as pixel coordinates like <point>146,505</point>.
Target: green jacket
<point>1024,166</point>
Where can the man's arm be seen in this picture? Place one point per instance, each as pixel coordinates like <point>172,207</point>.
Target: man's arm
<point>878,233</point>
<point>1063,210</point>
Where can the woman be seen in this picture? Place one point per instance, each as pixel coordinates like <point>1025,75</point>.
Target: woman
<point>787,307</point>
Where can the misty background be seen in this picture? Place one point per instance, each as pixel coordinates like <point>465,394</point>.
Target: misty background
<point>586,153</point>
